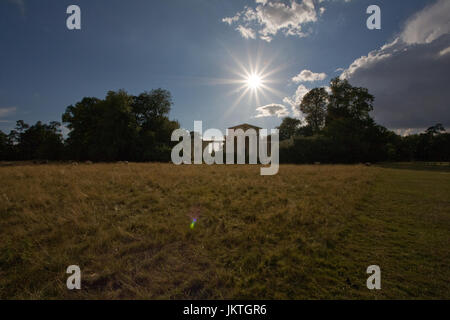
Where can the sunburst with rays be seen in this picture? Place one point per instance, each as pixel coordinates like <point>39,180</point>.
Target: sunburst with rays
<point>253,81</point>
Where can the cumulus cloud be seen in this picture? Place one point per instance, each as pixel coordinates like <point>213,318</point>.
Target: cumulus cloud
<point>272,17</point>
<point>7,111</point>
<point>409,76</point>
<point>295,100</point>
<point>246,32</point>
<point>308,76</point>
<point>272,110</point>
<point>429,24</point>
<point>230,20</point>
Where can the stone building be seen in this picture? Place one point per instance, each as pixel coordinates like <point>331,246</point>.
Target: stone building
<point>215,145</point>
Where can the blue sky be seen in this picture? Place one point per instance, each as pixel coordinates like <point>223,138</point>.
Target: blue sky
<point>186,47</point>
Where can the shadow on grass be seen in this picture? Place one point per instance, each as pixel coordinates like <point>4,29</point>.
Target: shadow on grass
<point>420,166</point>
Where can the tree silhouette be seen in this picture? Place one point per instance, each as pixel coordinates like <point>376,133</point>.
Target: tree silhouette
<point>288,128</point>
<point>121,127</point>
<point>436,129</point>
<point>346,101</point>
<point>314,107</point>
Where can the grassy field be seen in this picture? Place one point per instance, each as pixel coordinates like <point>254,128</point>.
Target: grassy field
<point>309,232</point>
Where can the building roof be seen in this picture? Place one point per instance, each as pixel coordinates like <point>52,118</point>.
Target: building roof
<point>245,126</point>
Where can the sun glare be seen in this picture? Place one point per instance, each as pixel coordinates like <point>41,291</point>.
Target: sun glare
<point>254,81</point>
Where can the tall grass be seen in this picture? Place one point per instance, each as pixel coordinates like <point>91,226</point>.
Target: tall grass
<point>308,232</point>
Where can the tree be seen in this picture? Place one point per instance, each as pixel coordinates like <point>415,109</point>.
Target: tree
<point>151,110</point>
<point>354,134</point>
<point>348,101</point>
<point>82,119</point>
<point>102,130</point>
<point>150,106</point>
<point>288,128</point>
<point>121,127</point>
<point>116,129</point>
<point>14,135</point>
<point>40,141</point>
<point>435,130</point>
<point>4,146</point>
<point>314,107</point>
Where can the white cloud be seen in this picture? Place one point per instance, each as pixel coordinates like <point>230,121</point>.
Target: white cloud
<point>272,110</point>
<point>372,58</point>
<point>271,17</point>
<point>7,111</point>
<point>246,32</point>
<point>309,76</point>
<point>295,100</point>
<point>429,24</point>
<point>230,20</point>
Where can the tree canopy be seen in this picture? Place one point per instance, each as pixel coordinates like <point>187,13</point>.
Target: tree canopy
<point>339,129</point>
<point>314,107</point>
<point>121,127</point>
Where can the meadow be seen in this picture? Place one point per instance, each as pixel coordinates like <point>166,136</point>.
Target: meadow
<point>309,232</point>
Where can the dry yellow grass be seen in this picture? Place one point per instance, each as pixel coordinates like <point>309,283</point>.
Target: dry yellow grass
<point>300,234</point>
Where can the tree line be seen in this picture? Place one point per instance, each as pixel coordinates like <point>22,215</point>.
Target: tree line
<point>337,128</point>
<point>119,127</point>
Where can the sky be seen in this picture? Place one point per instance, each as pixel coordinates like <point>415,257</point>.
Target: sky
<point>226,62</point>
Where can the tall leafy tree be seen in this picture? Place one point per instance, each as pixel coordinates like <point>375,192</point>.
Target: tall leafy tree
<point>40,141</point>
<point>150,106</point>
<point>151,110</point>
<point>82,120</point>
<point>314,107</point>
<point>121,127</point>
<point>349,102</point>
<point>102,130</point>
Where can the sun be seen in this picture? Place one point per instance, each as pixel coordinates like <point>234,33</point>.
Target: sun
<point>254,81</point>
